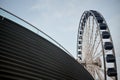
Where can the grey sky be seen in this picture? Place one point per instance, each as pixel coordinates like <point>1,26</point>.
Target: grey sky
<point>60,18</point>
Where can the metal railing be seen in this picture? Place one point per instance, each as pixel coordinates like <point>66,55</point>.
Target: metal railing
<point>31,27</point>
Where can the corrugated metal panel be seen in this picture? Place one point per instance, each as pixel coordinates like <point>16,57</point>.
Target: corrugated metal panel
<point>25,55</point>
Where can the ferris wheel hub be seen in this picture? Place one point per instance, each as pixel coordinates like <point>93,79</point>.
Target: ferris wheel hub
<point>97,62</point>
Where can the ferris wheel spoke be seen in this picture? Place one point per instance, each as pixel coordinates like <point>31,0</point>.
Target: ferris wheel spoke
<point>92,71</point>
<point>89,30</point>
<point>96,35</point>
<point>99,74</point>
<point>96,47</point>
<point>85,32</point>
<point>91,35</point>
<point>99,54</point>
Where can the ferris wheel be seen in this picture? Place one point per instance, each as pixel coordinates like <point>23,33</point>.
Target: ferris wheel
<point>95,50</point>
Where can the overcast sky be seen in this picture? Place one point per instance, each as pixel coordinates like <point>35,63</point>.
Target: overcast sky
<point>60,18</point>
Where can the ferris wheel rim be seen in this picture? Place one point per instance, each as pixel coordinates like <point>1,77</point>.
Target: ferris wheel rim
<point>91,12</point>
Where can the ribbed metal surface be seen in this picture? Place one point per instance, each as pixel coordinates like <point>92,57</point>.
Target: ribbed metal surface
<point>25,55</point>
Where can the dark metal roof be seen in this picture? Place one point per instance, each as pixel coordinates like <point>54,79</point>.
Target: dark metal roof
<point>26,55</point>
